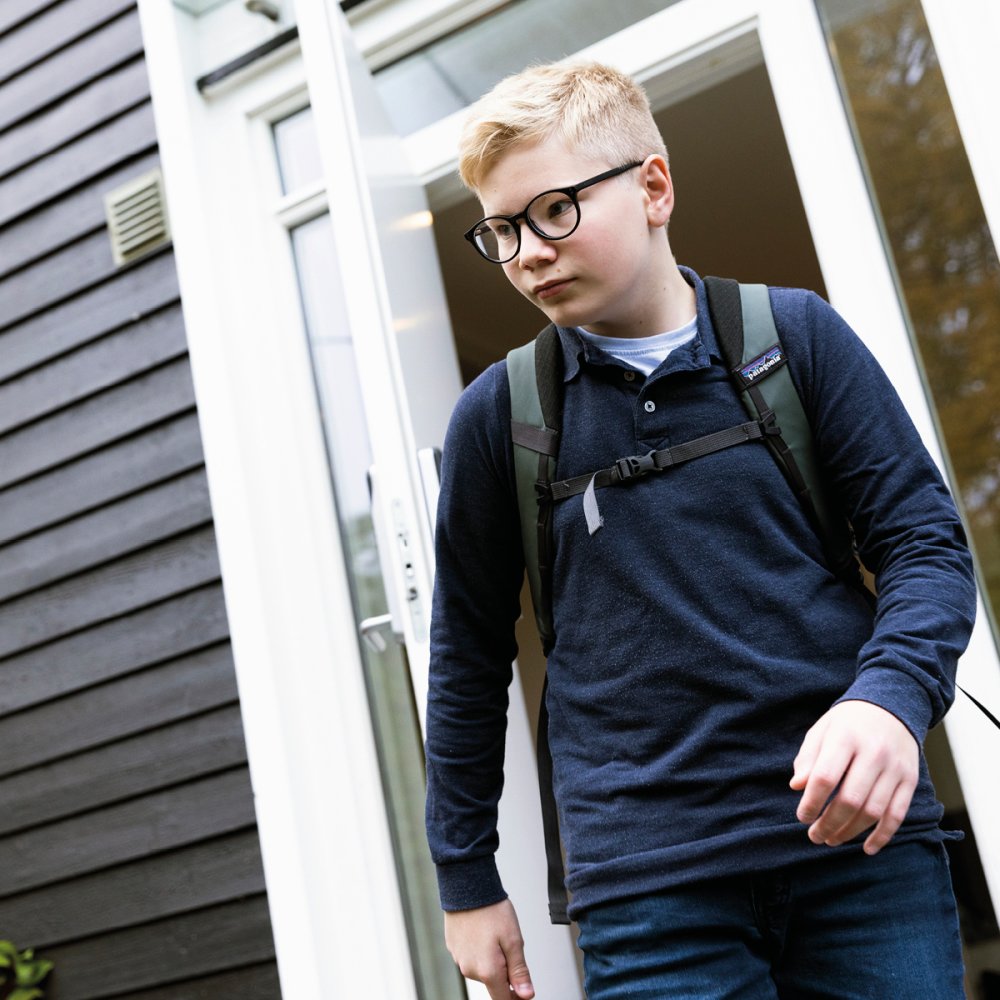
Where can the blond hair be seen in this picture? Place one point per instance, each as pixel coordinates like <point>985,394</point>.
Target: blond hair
<point>593,108</point>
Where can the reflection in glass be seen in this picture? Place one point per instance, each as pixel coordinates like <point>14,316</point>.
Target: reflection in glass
<point>298,150</point>
<point>940,243</point>
<point>456,70</point>
<point>386,671</point>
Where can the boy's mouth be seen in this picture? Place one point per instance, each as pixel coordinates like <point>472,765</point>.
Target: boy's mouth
<point>550,288</point>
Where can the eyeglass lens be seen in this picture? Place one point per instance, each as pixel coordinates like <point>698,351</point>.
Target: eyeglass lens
<point>553,215</point>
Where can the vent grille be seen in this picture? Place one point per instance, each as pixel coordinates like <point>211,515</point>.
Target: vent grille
<point>137,218</point>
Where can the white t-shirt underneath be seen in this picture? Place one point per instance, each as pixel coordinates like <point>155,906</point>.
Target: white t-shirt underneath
<point>644,353</point>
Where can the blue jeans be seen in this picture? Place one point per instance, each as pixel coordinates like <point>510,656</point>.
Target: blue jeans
<point>842,927</point>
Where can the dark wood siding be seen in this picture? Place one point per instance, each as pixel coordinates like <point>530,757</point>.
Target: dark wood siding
<point>128,844</point>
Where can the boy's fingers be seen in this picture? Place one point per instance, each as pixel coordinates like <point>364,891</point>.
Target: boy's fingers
<point>891,819</point>
<point>855,808</point>
<point>517,972</point>
<point>824,776</point>
<point>804,759</point>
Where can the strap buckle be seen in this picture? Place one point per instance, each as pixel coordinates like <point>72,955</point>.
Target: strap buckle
<point>543,492</point>
<point>633,466</point>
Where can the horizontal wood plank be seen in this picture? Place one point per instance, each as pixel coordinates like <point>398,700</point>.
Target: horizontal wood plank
<point>100,364</point>
<point>169,449</point>
<point>125,585</point>
<point>161,821</point>
<point>84,109</point>
<point>256,982</point>
<point>152,397</point>
<point>101,477</point>
<point>123,300</point>
<point>13,12</point>
<point>167,630</point>
<point>169,755</point>
<point>133,704</point>
<point>128,135</point>
<point>192,878</point>
<point>174,950</point>
<point>60,276</point>
<point>89,57</point>
<point>139,520</point>
<point>66,219</point>
<point>53,28</point>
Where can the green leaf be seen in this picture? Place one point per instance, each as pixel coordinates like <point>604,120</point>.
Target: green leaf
<point>22,994</point>
<point>32,973</point>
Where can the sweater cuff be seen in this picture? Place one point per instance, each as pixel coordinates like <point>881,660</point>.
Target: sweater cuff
<point>896,693</point>
<point>467,885</point>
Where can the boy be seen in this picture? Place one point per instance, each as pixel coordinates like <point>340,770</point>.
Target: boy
<point>735,734</point>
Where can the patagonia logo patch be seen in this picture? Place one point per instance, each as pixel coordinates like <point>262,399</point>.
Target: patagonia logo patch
<point>762,365</point>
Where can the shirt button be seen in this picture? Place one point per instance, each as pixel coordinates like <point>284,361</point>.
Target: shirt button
<point>629,376</point>
<point>650,406</point>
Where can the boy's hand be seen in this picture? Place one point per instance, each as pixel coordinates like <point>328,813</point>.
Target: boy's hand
<point>487,946</point>
<point>872,756</point>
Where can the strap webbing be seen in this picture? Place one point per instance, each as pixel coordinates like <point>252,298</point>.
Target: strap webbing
<point>634,466</point>
<point>540,439</point>
<point>558,897</point>
<point>982,708</point>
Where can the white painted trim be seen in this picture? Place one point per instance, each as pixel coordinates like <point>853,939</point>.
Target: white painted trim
<point>966,36</point>
<point>332,893</point>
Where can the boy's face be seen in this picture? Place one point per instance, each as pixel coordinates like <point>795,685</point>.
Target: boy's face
<point>608,274</point>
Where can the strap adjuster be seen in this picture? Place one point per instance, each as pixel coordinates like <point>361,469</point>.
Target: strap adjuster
<point>633,466</point>
<point>769,424</point>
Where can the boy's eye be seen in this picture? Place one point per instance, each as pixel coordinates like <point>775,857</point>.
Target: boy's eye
<point>554,213</point>
<point>502,229</point>
<point>559,207</point>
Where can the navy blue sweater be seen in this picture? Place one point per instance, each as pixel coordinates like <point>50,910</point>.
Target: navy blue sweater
<point>699,633</point>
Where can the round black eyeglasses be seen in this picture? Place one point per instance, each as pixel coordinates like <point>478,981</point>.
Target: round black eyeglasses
<point>552,215</point>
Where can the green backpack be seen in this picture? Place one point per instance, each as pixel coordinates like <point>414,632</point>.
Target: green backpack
<point>758,364</point>
<point>754,356</point>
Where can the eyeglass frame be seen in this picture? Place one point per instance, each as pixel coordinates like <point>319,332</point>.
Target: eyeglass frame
<point>573,190</point>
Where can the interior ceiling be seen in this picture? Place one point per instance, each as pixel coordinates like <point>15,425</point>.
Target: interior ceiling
<point>738,214</point>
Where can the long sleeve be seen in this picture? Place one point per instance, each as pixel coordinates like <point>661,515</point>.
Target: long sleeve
<point>908,531</point>
<point>476,602</point>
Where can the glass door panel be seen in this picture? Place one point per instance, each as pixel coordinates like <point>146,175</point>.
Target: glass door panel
<point>935,228</point>
<point>394,716</point>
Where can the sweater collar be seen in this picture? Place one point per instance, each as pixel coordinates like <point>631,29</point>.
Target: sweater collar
<point>705,346</point>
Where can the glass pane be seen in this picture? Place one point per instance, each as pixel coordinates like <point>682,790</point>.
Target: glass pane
<point>298,151</point>
<point>454,71</point>
<point>387,674</point>
<point>934,225</point>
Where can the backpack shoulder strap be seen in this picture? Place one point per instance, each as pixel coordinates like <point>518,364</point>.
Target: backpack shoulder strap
<point>758,363</point>
<point>535,375</point>
<point>534,372</point>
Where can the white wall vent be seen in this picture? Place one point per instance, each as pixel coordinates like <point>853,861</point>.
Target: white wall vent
<point>137,218</point>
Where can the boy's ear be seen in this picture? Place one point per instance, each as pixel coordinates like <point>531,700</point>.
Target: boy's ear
<point>659,190</point>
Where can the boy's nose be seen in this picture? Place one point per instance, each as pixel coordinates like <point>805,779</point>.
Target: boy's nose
<point>534,248</point>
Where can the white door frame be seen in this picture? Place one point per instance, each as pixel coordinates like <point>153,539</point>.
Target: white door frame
<point>332,891</point>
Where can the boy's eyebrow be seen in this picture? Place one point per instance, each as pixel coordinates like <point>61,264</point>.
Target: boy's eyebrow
<point>521,205</point>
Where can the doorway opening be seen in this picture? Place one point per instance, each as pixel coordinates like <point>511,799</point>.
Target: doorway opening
<point>739,214</point>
